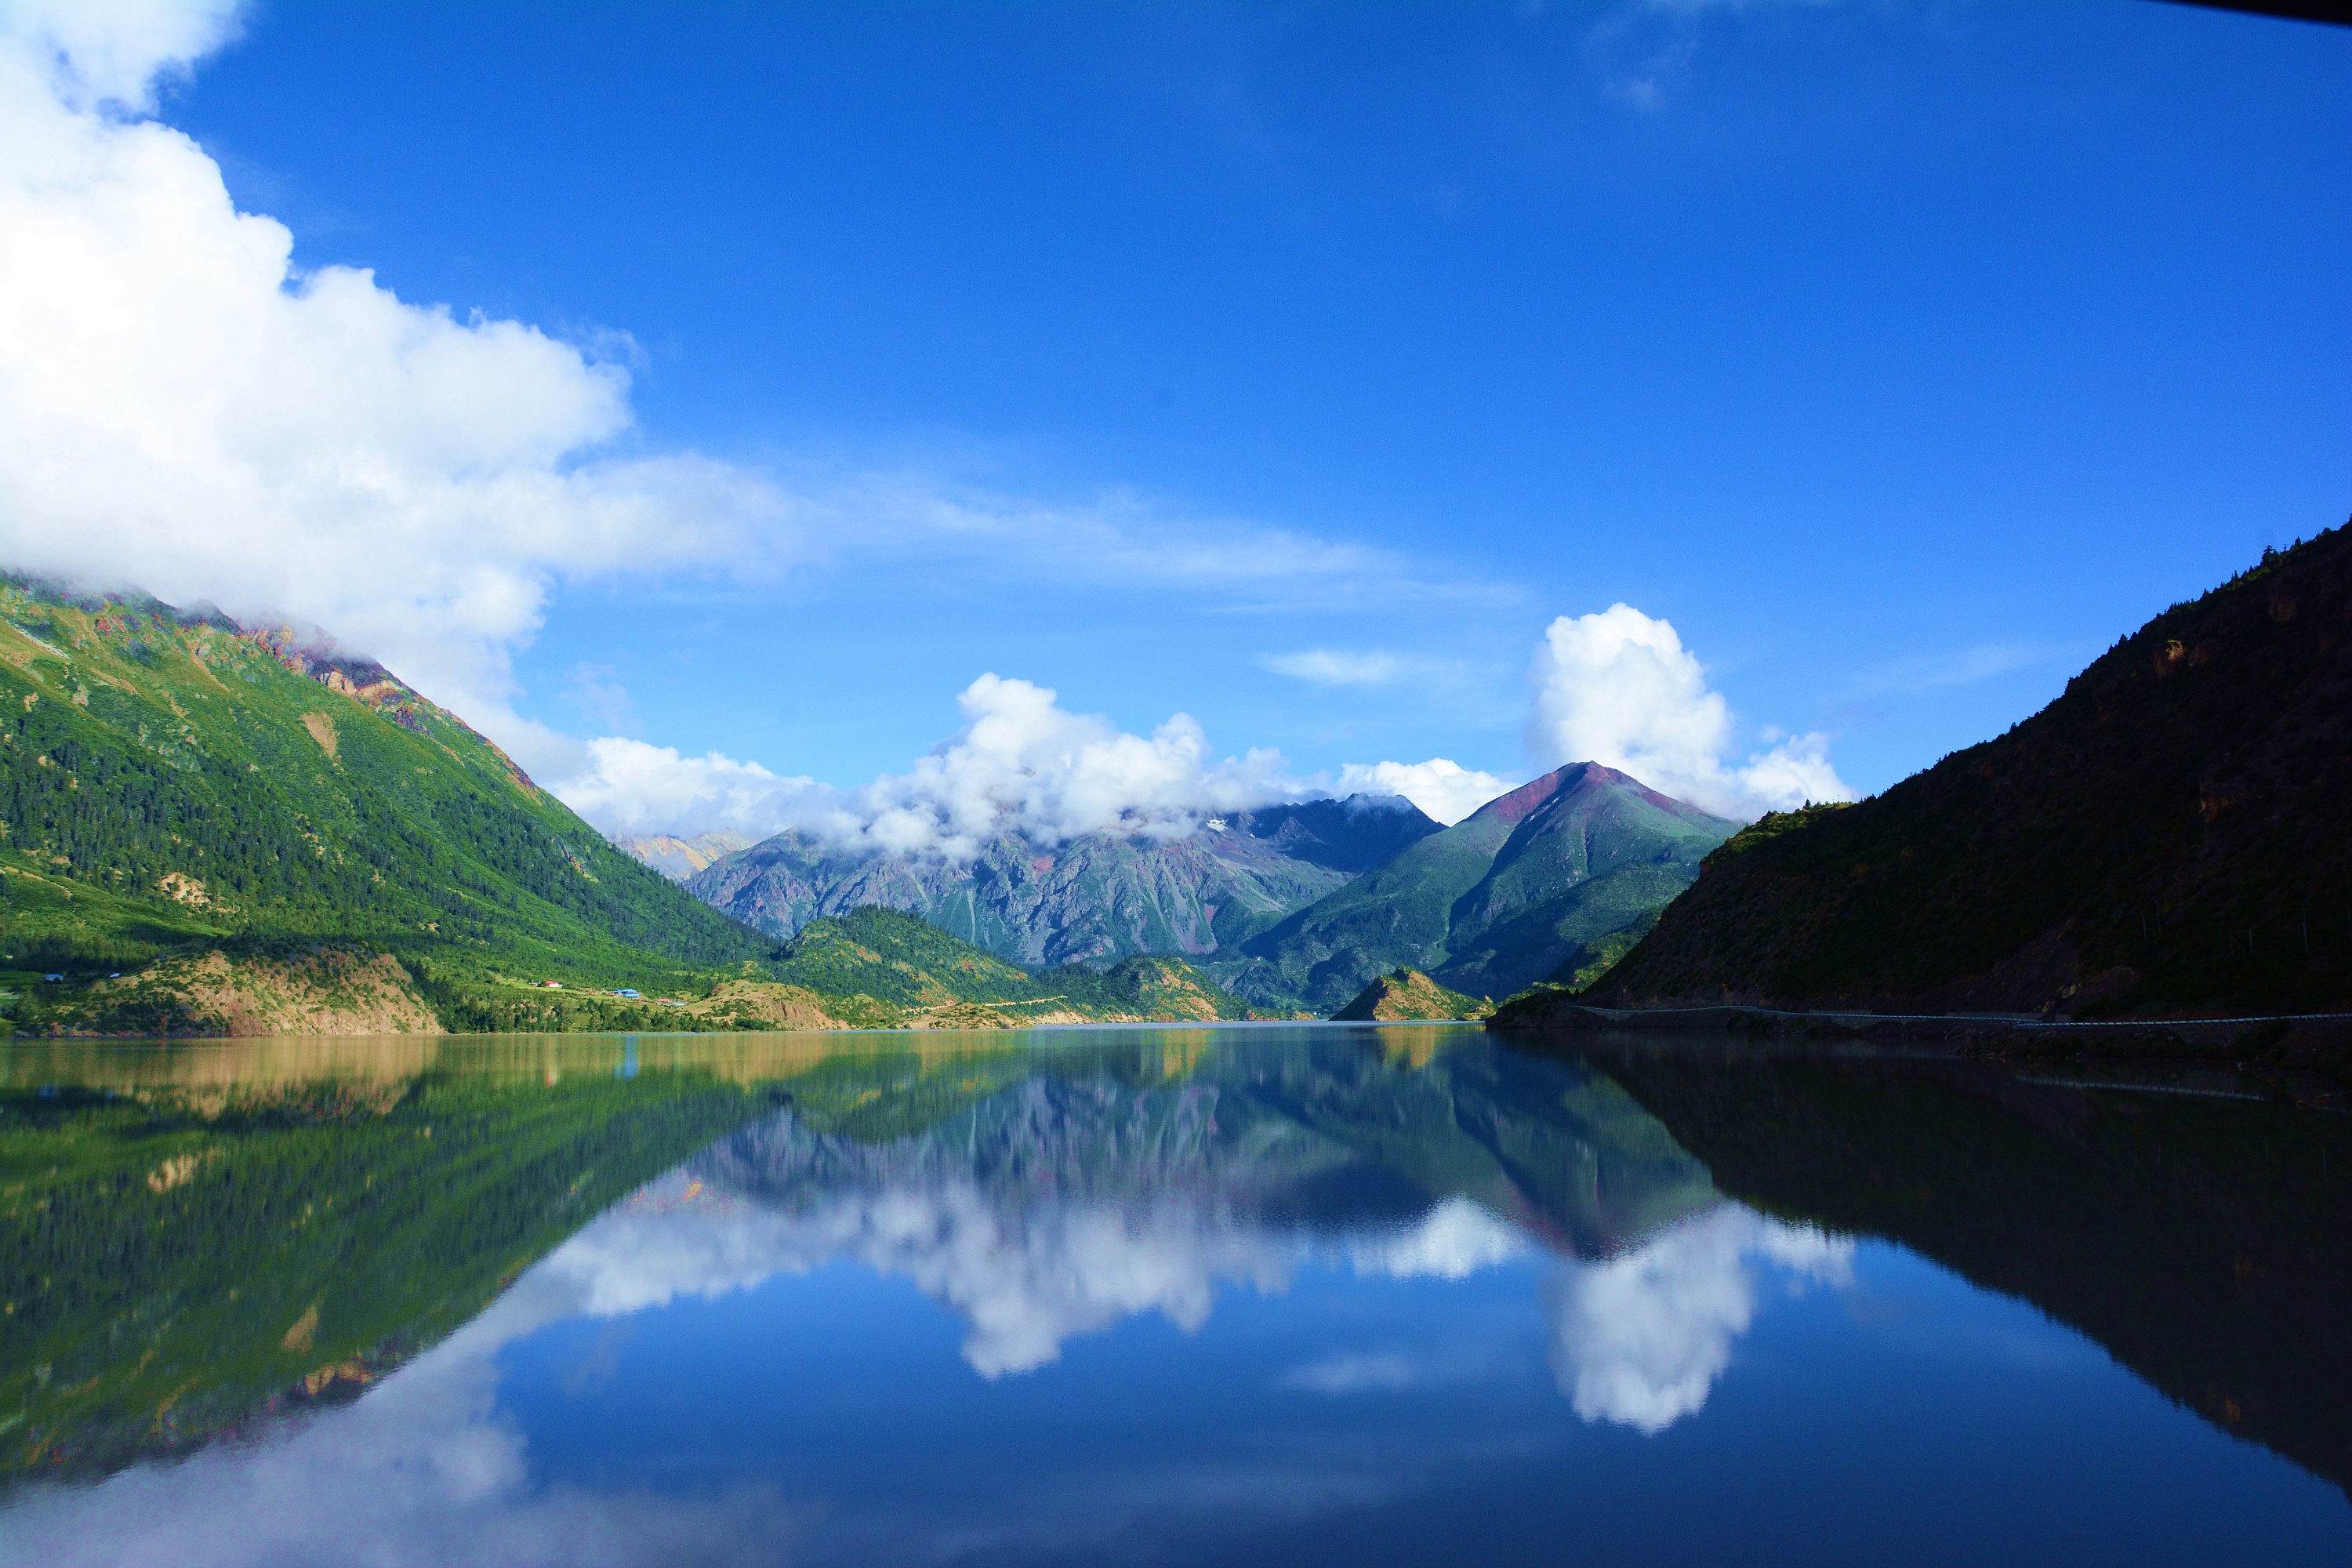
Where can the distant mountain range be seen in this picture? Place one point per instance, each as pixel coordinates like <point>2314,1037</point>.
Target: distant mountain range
<point>1097,897</point>
<point>1529,883</point>
<point>1290,906</point>
<point>2173,834</point>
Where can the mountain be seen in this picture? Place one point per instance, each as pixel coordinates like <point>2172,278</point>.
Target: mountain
<point>1505,897</point>
<point>1102,896</point>
<point>173,782</point>
<point>911,973</point>
<point>1408,994</point>
<point>679,859</point>
<point>2172,835</point>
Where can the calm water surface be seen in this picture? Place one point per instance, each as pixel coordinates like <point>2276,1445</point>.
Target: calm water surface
<point>1298,1295</point>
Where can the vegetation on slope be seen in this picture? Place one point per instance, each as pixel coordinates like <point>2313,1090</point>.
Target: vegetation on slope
<point>2172,835</point>
<point>170,781</point>
<point>1408,994</point>
<point>1094,899</point>
<point>1500,899</point>
<point>905,970</point>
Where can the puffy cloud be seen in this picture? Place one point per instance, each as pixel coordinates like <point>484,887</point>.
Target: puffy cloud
<point>186,407</point>
<point>1021,763</point>
<point>1618,688</point>
<point>1446,790</point>
<point>1640,1340</point>
<point>96,51</point>
<point>180,396</point>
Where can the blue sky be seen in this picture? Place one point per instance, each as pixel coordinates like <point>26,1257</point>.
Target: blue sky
<point>1900,356</point>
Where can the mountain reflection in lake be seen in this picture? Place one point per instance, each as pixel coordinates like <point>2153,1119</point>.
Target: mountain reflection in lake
<point>1316,1294</point>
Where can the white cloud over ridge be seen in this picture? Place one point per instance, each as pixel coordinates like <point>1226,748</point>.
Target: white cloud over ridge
<point>1618,688</point>
<point>179,395</point>
<point>1443,788</point>
<point>1022,764</point>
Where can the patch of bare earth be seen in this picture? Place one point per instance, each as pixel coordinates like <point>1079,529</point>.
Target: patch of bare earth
<point>325,991</point>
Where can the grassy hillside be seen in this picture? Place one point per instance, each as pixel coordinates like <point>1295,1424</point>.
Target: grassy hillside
<point>911,968</point>
<point>168,779</point>
<point>2172,835</point>
<point>1528,883</point>
<point>1408,994</point>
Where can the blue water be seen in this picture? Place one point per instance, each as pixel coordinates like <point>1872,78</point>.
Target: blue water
<point>1301,1302</point>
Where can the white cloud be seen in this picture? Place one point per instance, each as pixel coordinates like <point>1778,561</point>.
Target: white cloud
<point>184,403</point>
<point>96,51</point>
<point>1022,764</point>
<point>185,407</point>
<point>1618,688</point>
<point>1330,667</point>
<point>1446,790</point>
<point>1640,1339</point>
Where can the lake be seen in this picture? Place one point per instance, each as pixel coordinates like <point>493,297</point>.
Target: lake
<point>1241,1294</point>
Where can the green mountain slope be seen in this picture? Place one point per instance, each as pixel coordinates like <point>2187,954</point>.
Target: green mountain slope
<point>1499,901</point>
<point>1099,897</point>
<point>908,964</point>
<point>2173,834</point>
<point>170,778</point>
<point>1408,994</point>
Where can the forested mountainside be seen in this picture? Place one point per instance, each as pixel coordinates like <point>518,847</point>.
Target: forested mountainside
<point>1100,896</point>
<point>2172,835</point>
<point>171,782</point>
<point>1537,880</point>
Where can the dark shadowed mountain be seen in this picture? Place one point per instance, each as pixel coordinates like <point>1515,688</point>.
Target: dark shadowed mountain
<point>1527,884</point>
<point>1103,896</point>
<point>2173,834</point>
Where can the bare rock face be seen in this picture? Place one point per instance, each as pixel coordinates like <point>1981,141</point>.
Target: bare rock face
<point>2173,834</point>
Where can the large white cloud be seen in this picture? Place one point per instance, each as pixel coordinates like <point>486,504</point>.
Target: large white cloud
<point>1618,688</point>
<point>1446,790</point>
<point>1022,764</point>
<point>185,407</point>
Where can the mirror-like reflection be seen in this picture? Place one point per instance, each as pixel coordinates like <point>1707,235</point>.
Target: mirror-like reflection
<point>1321,1293</point>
